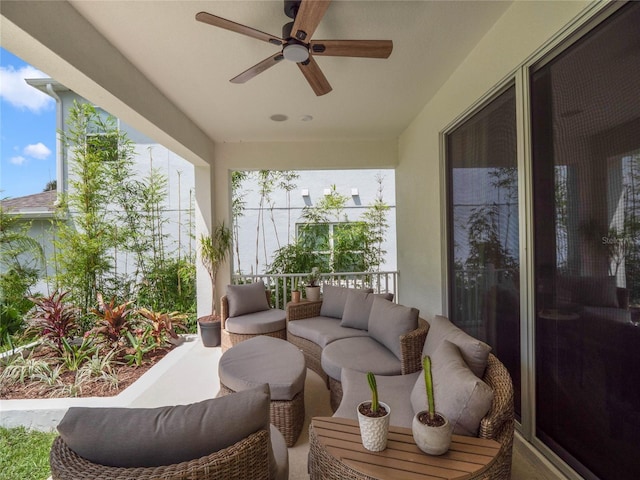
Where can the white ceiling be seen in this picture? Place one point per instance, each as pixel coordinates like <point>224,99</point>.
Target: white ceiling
<point>191,63</point>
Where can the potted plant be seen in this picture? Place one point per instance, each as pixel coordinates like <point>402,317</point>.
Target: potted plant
<point>431,430</point>
<point>312,289</point>
<point>295,293</point>
<point>214,249</point>
<point>373,418</point>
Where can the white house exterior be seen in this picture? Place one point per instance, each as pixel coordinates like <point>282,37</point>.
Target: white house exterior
<point>359,186</point>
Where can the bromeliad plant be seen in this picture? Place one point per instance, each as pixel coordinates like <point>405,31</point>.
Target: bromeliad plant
<point>113,320</point>
<point>53,319</point>
<point>164,325</point>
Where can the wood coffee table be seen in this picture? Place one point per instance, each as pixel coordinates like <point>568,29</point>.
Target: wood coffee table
<point>336,452</point>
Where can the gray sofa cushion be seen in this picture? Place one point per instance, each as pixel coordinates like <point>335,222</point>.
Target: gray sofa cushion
<point>389,321</point>
<point>248,298</point>
<point>266,321</point>
<point>358,307</point>
<point>264,359</point>
<point>362,354</point>
<point>459,395</point>
<point>150,437</point>
<point>334,299</point>
<point>474,352</point>
<point>322,330</point>
<point>392,390</point>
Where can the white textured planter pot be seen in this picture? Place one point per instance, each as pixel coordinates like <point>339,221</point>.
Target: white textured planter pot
<point>432,440</point>
<point>374,430</point>
<point>312,293</point>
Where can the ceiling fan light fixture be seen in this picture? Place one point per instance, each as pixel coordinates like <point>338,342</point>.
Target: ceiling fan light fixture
<point>295,52</point>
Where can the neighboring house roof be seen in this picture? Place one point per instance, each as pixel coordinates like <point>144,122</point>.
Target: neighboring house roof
<point>36,205</point>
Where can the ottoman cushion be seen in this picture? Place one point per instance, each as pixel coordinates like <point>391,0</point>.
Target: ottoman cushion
<point>362,354</point>
<point>264,360</point>
<point>266,321</point>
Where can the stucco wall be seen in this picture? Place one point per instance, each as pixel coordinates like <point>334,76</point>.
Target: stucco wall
<point>523,29</point>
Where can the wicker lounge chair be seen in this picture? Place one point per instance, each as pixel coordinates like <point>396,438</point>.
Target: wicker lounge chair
<point>246,459</point>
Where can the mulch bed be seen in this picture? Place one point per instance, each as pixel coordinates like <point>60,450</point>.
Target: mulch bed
<point>127,374</point>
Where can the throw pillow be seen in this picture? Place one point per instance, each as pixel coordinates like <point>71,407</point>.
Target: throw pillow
<point>459,395</point>
<point>358,307</point>
<point>474,352</point>
<point>248,298</point>
<point>334,299</point>
<point>151,437</point>
<point>389,321</point>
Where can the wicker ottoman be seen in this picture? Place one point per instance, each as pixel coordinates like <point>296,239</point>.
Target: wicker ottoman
<point>269,360</point>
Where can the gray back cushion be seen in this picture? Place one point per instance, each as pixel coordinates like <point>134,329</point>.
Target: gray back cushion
<point>459,395</point>
<point>389,321</point>
<point>474,352</point>
<point>150,437</point>
<point>358,307</point>
<point>247,298</point>
<point>334,299</point>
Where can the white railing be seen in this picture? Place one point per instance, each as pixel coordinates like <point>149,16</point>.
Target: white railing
<point>281,285</point>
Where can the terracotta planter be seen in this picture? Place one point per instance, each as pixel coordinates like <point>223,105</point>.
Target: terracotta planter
<point>374,430</point>
<point>209,331</point>
<point>432,440</point>
<point>295,296</point>
<point>312,293</point>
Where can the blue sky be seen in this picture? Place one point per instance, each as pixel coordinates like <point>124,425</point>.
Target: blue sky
<point>27,130</point>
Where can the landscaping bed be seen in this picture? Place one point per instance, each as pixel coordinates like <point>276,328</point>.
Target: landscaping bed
<point>66,383</point>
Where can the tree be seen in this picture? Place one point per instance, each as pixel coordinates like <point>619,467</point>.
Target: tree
<point>214,249</point>
<point>21,259</point>
<point>85,235</point>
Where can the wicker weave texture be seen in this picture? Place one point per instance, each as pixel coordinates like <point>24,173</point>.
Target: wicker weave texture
<point>249,458</point>
<point>286,415</point>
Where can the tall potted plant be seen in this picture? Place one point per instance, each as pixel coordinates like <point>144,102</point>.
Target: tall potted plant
<point>214,250</point>
<point>431,430</point>
<point>373,418</point>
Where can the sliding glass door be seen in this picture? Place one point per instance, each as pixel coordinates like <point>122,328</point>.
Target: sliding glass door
<point>585,107</point>
<point>483,230</point>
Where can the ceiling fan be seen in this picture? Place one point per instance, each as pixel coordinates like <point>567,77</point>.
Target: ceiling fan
<point>297,45</point>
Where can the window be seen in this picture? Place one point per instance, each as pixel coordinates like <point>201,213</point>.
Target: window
<point>341,245</point>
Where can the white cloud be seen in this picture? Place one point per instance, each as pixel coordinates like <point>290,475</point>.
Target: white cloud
<point>17,160</point>
<point>38,150</point>
<point>18,93</point>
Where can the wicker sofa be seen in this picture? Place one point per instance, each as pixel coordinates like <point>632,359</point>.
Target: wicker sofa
<point>326,333</point>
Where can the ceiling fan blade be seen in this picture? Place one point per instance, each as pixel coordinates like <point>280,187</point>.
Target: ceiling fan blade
<point>220,22</point>
<point>258,68</point>
<point>311,71</point>
<point>308,17</point>
<point>352,48</point>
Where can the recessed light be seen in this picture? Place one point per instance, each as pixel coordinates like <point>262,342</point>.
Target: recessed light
<point>306,118</point>
<point>279,117</point>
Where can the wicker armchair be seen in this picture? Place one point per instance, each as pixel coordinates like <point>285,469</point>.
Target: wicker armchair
<point>248,458</point>
<point>499,423</point>
<point>229,339</point>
